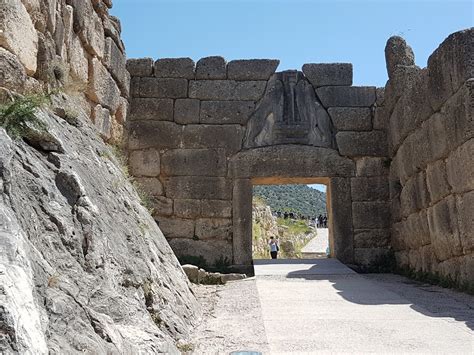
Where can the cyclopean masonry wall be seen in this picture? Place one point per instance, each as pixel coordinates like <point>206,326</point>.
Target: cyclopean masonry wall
<point>200,135</point>
<point>429,114</point>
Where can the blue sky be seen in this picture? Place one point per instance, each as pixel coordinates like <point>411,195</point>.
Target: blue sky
<point>294,31</point>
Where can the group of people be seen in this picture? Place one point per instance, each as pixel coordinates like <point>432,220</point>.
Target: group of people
<point>322,221</point>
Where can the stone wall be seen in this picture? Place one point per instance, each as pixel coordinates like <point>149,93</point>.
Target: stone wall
<point>429,116</point>
<point>200,134</point>
<point>70,46</point>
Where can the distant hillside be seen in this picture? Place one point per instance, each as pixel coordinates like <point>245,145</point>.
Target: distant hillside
<point>301,199</point>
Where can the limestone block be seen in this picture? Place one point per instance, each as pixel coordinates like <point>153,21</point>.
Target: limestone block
<point>213,136</point>
<point>114,60</point>
<point>226,112</point>
<point>207,162</point>
<point>211,251</point>
<point>103,121</point>
<point>135,86</point>
<point>226,90</point>
<point>211,68</point>
<point>162,206</point>
<point>176,228</point>
<point>102,88</point>
<point>342,219</point>
<point>465,208</point>
<point>151,186</point>
<point>216,208</point>
<point>371,166</point>
<point>154,134</point>
<point>437,181</point>
<point>18,35</point>
<point>346,96</point>
<point>112,29</point>
<point>88,25</point>
<point>450,65</point>
<point>198,187</point>
<point>328,74</point>
<point>404,159</point>
<point>371,238</point>
<point>444,231</point>
<point>397,52</point>
<point>351,118</point>
<point>140,67</point>
<point>414,195</point>
<point>187,208</point>
<point>298,161</point>
<point>174,68</point>
<point>151,109</point>
<point>398,236</point>
<point>242,222</point>
<point>421,153</point>
<point>214,228</point>
<point>186,111</point>
<point>144,162</point>
<point>251,69</point>
<point>353,144</point>
<point>371,256</point>
<point>369,188</point>
<point>13,75</point>
<point>192,272</point>
<point>466,269</point>
<point>163,88</point>
<point>381,118</point>
<point>122,111</point>
<point>370,215</point>
<point>460,167</point>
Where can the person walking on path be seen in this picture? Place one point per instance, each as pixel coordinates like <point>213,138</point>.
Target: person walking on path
<point>274,248</point>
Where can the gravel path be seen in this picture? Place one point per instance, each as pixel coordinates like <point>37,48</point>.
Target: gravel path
<point>317,245</point>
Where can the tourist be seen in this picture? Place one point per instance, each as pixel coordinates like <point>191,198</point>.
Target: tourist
<point>274,248</point>
<point>325,222</point>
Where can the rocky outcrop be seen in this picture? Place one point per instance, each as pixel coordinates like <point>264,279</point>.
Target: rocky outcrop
<point>83,267</point>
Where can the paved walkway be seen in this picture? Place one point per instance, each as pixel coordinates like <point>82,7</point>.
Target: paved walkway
<point>321,306</point>
<point>316,248</point>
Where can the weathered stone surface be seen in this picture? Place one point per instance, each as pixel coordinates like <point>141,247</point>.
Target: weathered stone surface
<point>414,195</point>
<point>242,222</point>
<point>207,162</point>
<point>100,234</point>
<point>370,215</point>
<point>151,109</point>
<point>192,272</point>
<point>216,208</point>
<point>226,90</point>
<point>102,88</point>
<point>198,187</point>
<point>151,186</point>
<point>371,238</point>
<point>174,68</point>
<point>211,68</point>
<point>354,144</point>
<point>162,206</point>
<point>102,120</point>
<point>397,53</point>
<point>186,111</point>
<point>214,228</point>
<point>122,111</point>
<point>211,252</point>
<point>416,229</point>
<point>351,118</point>
<point>163,88</point>
<point>444,231</point>
<point>114,60</point>
<point>135,87</point>
<point>333,74</point>
<point>89,27</point>
<point>154,134</point>
<point>251,69</point>
<point>18,35</point>
<point>451,64</point>
<point>372,166</point>
<point>187,208</point>
<point>369,188</point>
<point>346,96</point>
<point>381,118</point>
<point>437,181</point>
<point>226,112</point>
<point>176,227</point>
<point>342,220</point>
<point>144,162</point>
<point>298,161</point>
<point>213,136</point>
<point>371,256</point>
<point>13,75</point>
<point>460,167</point>
<point>464,207</point>
<point>140,67</point>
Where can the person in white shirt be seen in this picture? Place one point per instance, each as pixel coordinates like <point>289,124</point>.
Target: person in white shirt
<point>274,248</point>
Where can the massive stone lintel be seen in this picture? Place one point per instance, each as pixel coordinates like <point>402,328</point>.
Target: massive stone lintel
<point>289,113</point>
